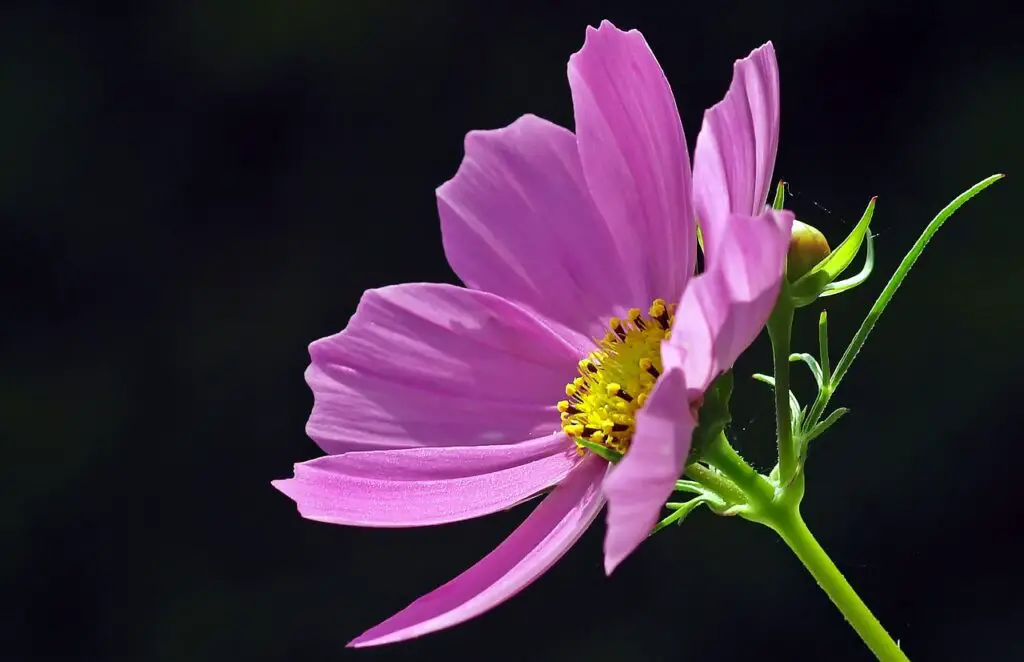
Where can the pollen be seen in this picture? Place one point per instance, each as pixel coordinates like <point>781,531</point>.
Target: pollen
<point>616,378</point>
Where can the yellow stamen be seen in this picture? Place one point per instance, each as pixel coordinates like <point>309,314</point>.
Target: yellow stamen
<point>616,378</point>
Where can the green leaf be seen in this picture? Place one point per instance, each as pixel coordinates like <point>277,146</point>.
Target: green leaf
<point>812,363</point>
<point>822,427</point>
<point>681,511</point>
<point>826,366</point>
<point>882,302</point>
<point>796,413</point>
<point>810,286</point>
<point>691,486</point>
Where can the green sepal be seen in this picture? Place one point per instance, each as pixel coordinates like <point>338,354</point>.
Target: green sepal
<point>780,196</point>
<point>811,285</point>
<point>713,415</point>
<point>599,450</point>
<point>841,286</point>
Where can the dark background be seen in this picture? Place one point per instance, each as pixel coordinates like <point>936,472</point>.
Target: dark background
<point>192,191</point>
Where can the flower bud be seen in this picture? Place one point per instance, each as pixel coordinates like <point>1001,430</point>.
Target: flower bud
<point>807,247</point>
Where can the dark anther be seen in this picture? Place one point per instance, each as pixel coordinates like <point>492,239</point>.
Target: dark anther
<point>587,432</point>
<point>619,427</point>
<point>591,367</point>
<point>620,332</point>
<point>625,396</point>
<point>652,371</point>
<point>663,320</point>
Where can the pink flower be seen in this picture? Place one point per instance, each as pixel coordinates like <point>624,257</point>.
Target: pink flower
<point>438,403</point>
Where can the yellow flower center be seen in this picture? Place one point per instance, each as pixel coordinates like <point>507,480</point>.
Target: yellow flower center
<point>616,378</point>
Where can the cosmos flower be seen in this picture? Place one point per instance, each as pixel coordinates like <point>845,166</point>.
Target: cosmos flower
<point>581,320</point>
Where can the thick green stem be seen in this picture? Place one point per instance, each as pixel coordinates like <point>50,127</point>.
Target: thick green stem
<point>794,531</point>
<point>780,326</point>
<point>753,496</point>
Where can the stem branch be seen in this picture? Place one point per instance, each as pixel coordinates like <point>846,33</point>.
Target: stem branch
<point>887,294</point>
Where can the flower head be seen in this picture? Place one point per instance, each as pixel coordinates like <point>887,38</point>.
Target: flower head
<point>581,321</point>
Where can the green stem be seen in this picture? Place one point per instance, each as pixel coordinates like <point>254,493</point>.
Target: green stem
<point>757,499</point>
<point>780,327</point>
<point>795,533</point>
<point>887,294</point>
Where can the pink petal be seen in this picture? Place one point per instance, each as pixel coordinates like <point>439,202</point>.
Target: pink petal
<point>517,220</point>
<point>436,365</point>
<point>720,314</point>
<point>635,158</point>
<point>547,534</point>
<point>425,486</point>
<point>735,153</point>
<point>639,485</point>
<point>725,308</point>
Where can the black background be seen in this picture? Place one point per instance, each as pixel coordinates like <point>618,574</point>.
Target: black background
<point>192,191</point>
